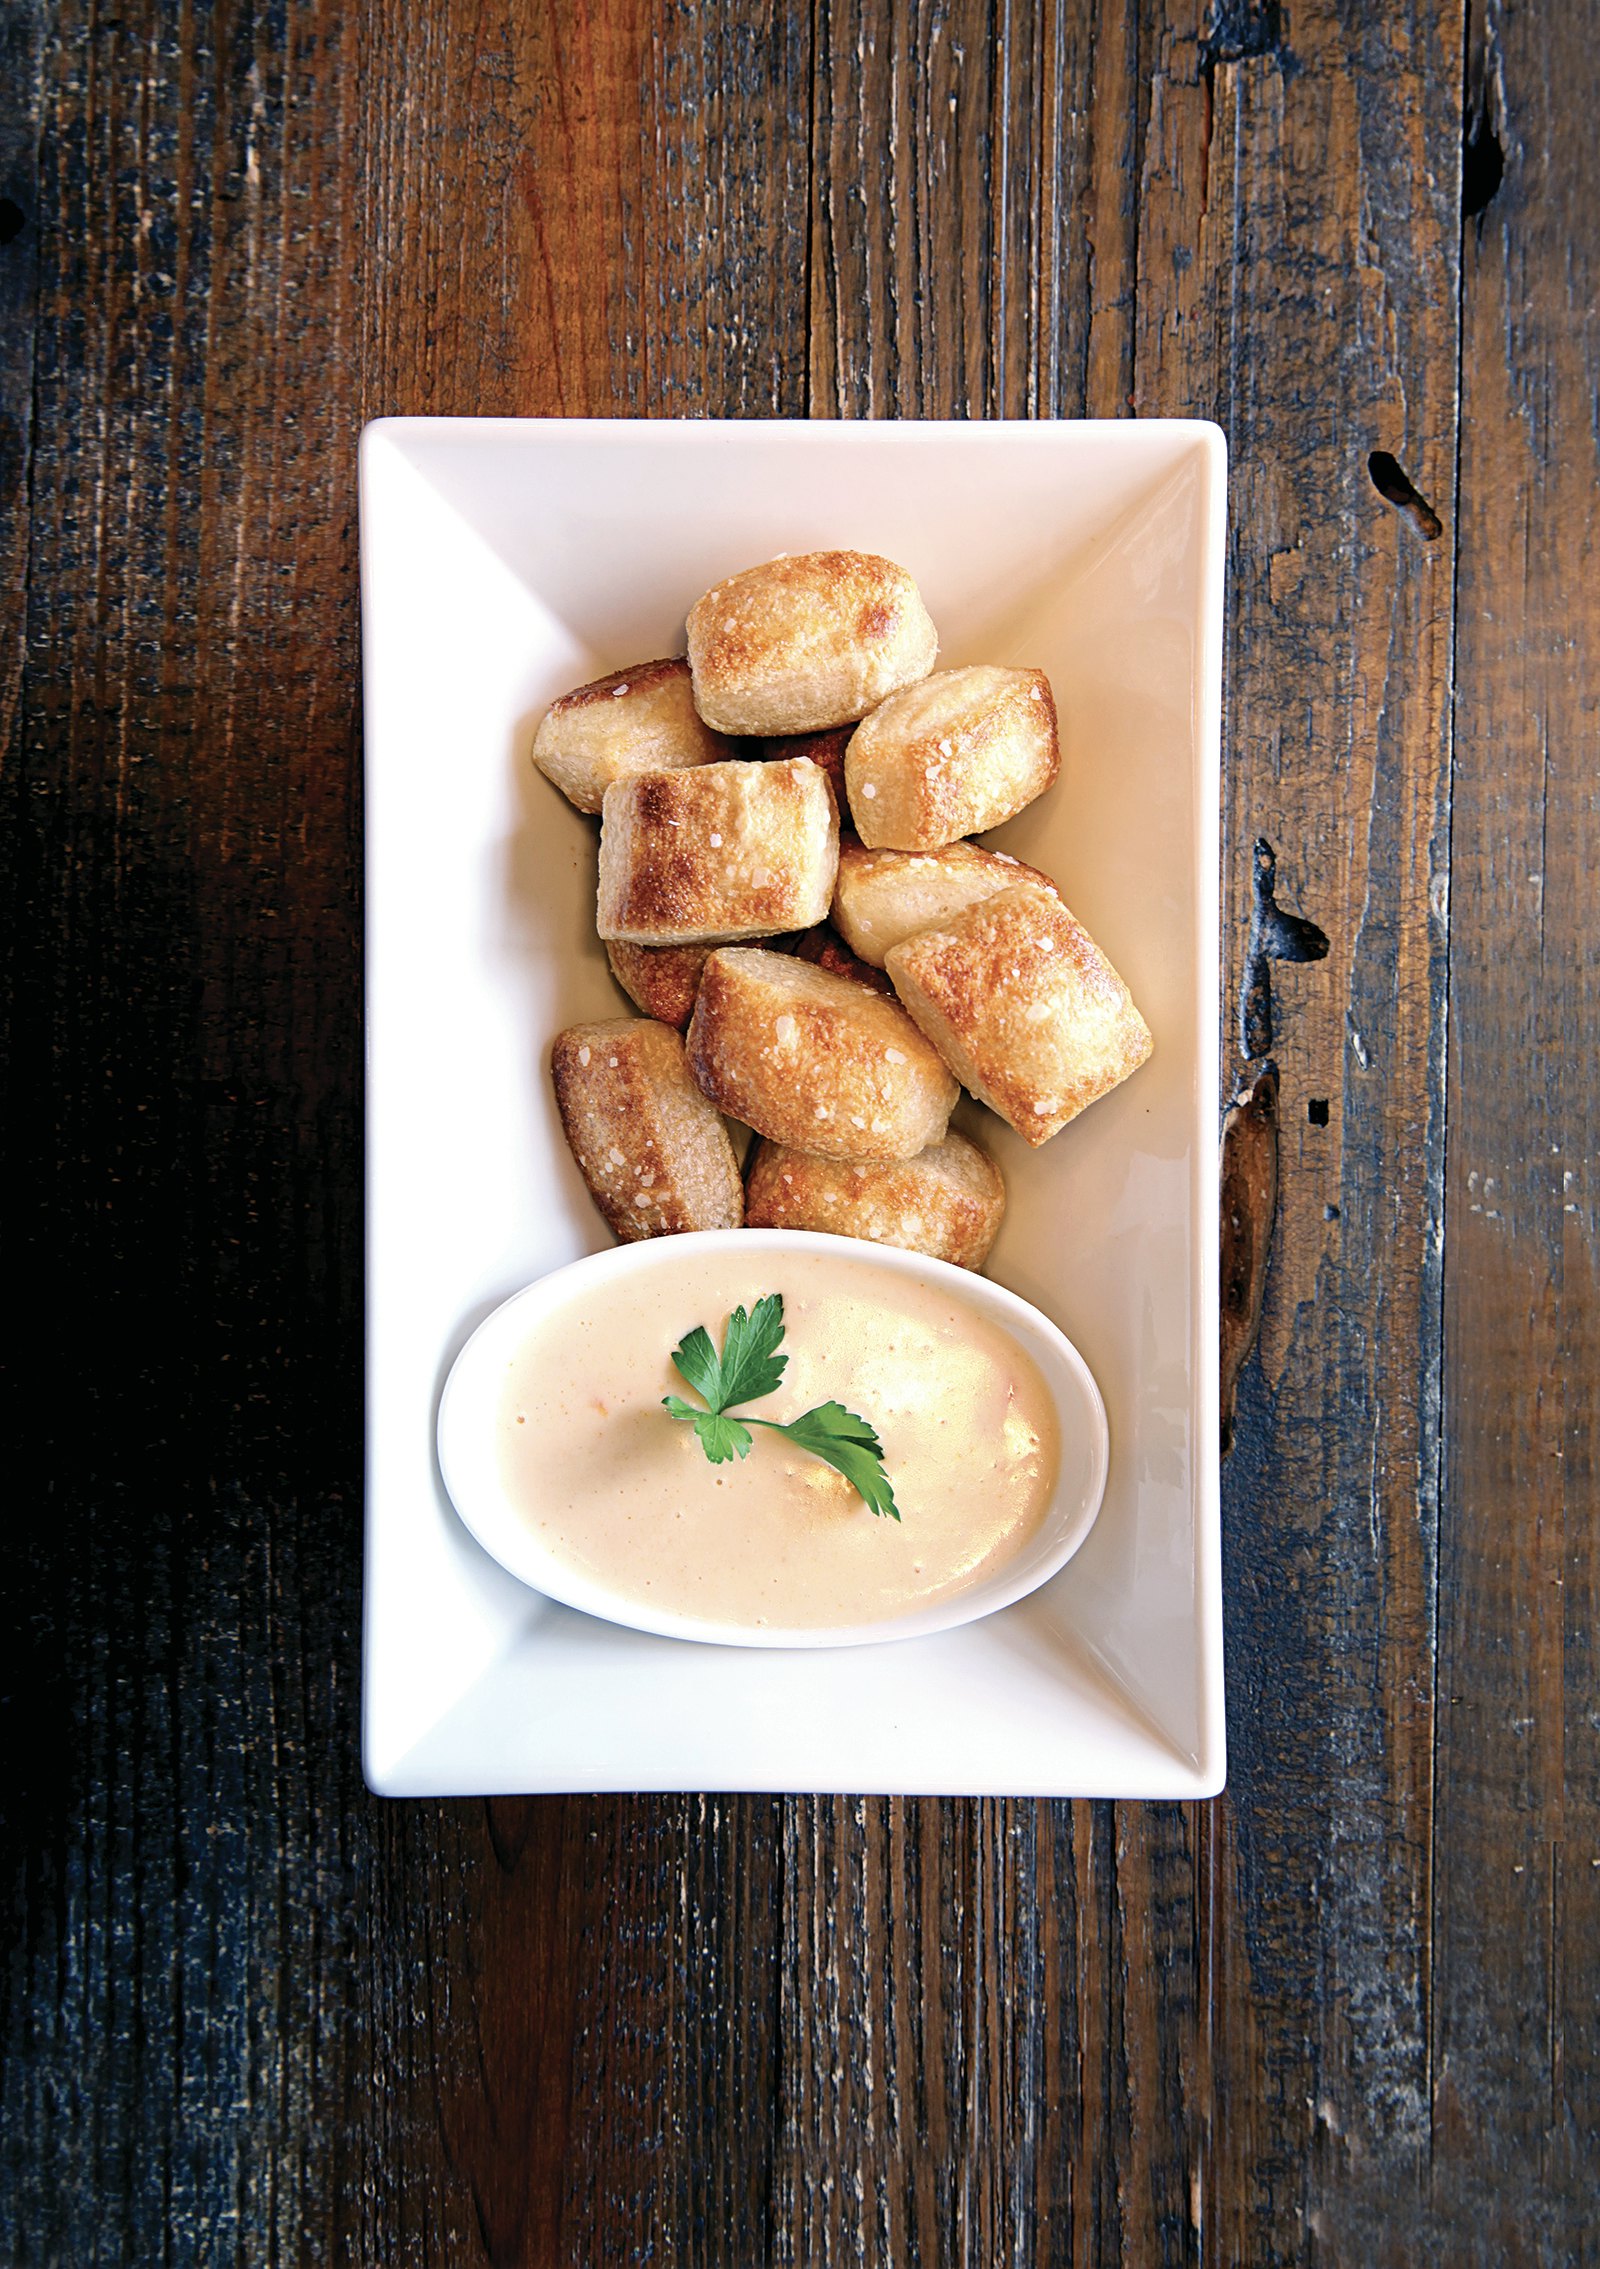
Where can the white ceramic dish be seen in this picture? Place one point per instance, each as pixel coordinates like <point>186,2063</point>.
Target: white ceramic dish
<point>505,561</point>
<point>469,1458</point>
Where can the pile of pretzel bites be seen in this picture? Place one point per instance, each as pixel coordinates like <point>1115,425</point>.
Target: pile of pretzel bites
<point>831,990</point>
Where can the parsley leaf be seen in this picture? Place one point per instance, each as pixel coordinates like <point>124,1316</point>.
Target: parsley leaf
<point>849,1445</point>
<point>698,1362</point>
<point>720,1437</point>
<point>750,1367</point>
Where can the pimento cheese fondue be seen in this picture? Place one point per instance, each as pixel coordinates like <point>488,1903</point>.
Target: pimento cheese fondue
<point>618,1490</point>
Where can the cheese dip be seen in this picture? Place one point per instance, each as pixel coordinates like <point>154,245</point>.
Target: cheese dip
<point>625,1495</point>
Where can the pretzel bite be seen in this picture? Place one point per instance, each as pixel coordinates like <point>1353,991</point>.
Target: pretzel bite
<point>638,720</point>
<point>816,1060</point>
<point>946,1201</point>
<point>884,896</point>
<point>824,949</point>
<point>723,852</point>
<point>663,979</point>
<point>654,1153</point>
<point>807,642</point>
<point>660,979</point>
<point>826,749</point>
<point>950,757</point>
<point>1024,1008</point>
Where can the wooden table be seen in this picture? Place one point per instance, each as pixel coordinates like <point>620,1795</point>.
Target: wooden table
<point>1348,2013</point>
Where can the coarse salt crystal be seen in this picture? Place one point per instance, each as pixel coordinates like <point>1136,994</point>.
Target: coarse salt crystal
<point>786,1028</point>
<point>944,748</point>
<point>716,842</point>
<point>869,792</point>
<point>617,691</point>
<point>855,1122</point>
<point>583,1055</point>
<point>641,1198</point>
<point>1044,1109</point>
<point>822,1110</point>
<point>615,1156</point>
<point>893,1056</point>
<point>1036,693</point>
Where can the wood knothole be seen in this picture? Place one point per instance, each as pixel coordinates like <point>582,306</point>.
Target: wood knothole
<point>1395,485</point>
<point>1483,164</point>
<point>1238,31</point>
<point>1275,935</point>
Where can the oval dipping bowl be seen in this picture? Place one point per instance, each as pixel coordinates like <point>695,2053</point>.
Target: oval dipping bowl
<point>470,1455</point>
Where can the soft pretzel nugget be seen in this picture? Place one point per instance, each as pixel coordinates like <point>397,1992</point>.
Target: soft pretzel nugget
<point>815,1060</point>
<point>1024,1008</point>
<point>825,949</point>
<point>664,979</point>
<point>638,720</point>
<point>653,1151</point>
<point>660,979</point>
<point>826,749</point>
<point>806,642</point>
<point>726,851</point>
<point>884,896</point>
<point>949,757</point>
<point>946,1201</point>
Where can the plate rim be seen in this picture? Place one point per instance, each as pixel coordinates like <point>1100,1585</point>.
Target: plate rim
<point>1206,1774</point>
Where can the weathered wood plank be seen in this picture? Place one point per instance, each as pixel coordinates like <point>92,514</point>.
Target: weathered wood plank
<point>1297,257</point>
<point>974,210</point>
<point>21,73</point>
<point>1516,2097</point>
<point>181,1157</point>
<point>1010,1991</point>
<point>599,2082</point>
<point>723,216</point>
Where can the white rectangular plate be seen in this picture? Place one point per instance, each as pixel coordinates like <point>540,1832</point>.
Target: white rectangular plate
<point>504,561</point>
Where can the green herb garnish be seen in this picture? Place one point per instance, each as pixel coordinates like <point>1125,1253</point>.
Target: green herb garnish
<point>750,1367</point>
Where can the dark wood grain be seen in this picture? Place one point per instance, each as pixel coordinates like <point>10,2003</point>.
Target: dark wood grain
<point>181,1165</point>
<point>21,72</point>
<point>1301,189</point>
<point>974,210</point>
<point>1516,2029</point>
<point>1348,2013</point>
